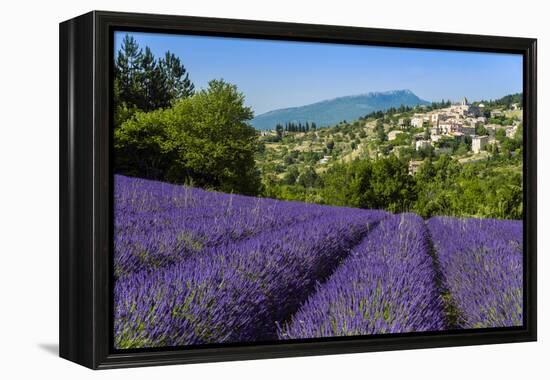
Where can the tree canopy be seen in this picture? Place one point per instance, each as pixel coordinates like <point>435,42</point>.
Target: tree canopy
<point>204,140</point>
<point>146,83</point>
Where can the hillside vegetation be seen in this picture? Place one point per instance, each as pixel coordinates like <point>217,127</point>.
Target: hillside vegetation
<point>356,164</point>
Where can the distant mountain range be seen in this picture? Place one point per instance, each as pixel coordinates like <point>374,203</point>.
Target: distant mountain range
<point>333,111</point>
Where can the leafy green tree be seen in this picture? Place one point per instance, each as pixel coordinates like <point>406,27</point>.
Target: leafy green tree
<point>386,184</point>
<point>500,134</point>
<point>490,189</point>
<point>462,149</point>
<point>380,184</point>
<point>204,139</point>
<point>291,175</point>
<point>481,130</point>
<point>308,177</point>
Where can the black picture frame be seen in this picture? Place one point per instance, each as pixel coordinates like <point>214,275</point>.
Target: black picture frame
<point>86,46</point>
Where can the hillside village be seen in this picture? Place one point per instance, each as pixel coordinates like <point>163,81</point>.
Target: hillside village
<point>461,122</point>
<point>469,132</point>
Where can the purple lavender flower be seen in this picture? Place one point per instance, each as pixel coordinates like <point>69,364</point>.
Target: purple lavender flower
<point>386,285</point>
<point>481,263</point>
<point>197,267</point>
<point>236,290</point>
<point>157,224</point>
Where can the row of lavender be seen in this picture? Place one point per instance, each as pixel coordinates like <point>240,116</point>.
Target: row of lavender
<point>196,267</point>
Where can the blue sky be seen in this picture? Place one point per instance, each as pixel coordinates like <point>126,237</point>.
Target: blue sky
<point>279,74</point>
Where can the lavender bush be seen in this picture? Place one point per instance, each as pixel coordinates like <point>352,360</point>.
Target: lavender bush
<point>386,285</point>
<point>481,262</point>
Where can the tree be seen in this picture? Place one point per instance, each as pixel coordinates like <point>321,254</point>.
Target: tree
<point>176,78</point>
<point>379,130</point>
<point>380,184</point>
<point>127,67</point>
<point>145,83</point>
<point>151,94</point>
<point>308,178</point>
<point>500,134</point>
<point>279,130</point>
<point>426,172</point>
<point>204,139</point>
<point>481,130</point>
<point>291,176</point>
<point>386,184</point>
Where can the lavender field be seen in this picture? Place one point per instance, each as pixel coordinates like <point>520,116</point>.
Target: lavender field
<point>198,267</point>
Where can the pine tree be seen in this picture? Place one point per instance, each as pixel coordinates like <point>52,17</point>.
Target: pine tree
<point>146,83</point>
<point>176,78</point>
<point>127,68</point>
<point>149,80</point>
<point>279,130</point>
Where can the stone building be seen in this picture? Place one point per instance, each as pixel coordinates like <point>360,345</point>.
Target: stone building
<point>478,143</point>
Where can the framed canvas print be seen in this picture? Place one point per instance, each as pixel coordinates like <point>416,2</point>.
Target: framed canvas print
<point>236,189</point>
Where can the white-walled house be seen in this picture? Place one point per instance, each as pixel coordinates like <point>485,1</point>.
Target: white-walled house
<point>417,122</point>
<point>478,143</point>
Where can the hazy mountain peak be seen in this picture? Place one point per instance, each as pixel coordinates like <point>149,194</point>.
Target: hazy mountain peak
<point>332,111</point>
